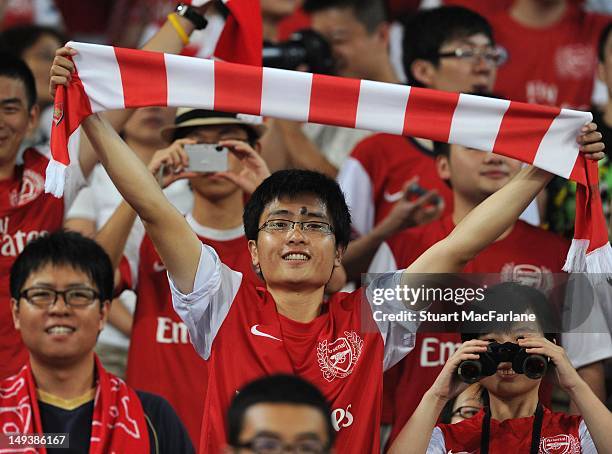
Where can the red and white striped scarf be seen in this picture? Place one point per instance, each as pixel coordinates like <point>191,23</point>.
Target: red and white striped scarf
<point>113,78</point>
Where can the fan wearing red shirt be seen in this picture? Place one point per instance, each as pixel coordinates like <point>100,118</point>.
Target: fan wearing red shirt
<point>158,335</point>
<point>298,226</point>
<point>523,252</point>
<point>552,52</point>
<point>26,212</point>
<point>513,419</point>
<point>450,49</point>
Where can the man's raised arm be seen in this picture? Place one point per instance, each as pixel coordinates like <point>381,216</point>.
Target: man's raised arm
<point>177,244</point>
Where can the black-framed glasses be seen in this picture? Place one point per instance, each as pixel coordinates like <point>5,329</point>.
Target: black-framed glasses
<point>492,55</point>
<point>271,445</point>
<point>44,298</point>
<point>466,411</point>
<point>284,225</point>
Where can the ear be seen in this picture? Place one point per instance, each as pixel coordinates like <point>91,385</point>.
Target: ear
<point>105,308</point>
<point>601,72</point>
<point>443,167</point>
<point>254,253</point>
<point>340,250</point>
<point>382,33</point>
<point>424,71</point>
<point>33,118</point>
<point>15,313</point>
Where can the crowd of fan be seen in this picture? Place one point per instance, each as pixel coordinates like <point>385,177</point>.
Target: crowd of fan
<point>405,195</point>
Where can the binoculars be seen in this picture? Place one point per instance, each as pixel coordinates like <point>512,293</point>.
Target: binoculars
<point>533,366</point>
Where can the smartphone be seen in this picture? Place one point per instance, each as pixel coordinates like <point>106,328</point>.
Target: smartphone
<point>415,191</point>
<point>205,157</point>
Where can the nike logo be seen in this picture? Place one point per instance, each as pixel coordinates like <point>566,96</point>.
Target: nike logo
<point>158,266</point>
<point>256,332</point>
<point>392,198</point>
<point>460,452</point>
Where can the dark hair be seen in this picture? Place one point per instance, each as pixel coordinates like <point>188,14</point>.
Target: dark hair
<point>15,68</point>
<point>292,183</point>
<point>511,297</point>
<point>18,39</point>
<point>603,38</point>
<point>283,389</point>
<point>371,13</point>
<point>63,248</point>
<point>426,32</point>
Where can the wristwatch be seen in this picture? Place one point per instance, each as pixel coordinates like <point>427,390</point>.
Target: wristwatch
<point>189,13</point>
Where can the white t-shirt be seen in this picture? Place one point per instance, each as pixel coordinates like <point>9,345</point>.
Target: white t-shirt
<point>98,202</point>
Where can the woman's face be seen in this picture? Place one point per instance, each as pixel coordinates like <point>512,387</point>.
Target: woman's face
<point>506,383</point>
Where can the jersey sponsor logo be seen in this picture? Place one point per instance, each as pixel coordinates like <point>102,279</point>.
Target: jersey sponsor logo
<point>171,332</point>
<point>342,418</point>
<point>256,332</point>
<point>435,353</point>
<point>538,277</point>
<point>560,444</point>
<point>337,359</point>
<point>392,198</point>
<point>158,266</point>
<point>11,244</point>
<point>32,185</point>
<point>575,61</point>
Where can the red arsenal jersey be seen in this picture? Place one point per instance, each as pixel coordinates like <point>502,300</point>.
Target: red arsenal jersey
<point>161,358</point>
<point>561,434</point>
<point>528,253</point>
<point>373,176</point>
<point>26,212</point>
<point>239,331</point>
<point>552,66</point>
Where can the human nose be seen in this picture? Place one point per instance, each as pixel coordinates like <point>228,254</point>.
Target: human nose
<point>297,233</point>
<point>492,158</point>
<point>58,307</point>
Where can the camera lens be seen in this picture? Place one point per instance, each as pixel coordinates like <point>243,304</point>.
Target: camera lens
<point>469,371</point>
<point>535,366</point>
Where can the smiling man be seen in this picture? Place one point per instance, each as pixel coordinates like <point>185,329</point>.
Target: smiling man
<point>298,226</point>
<point>61,287</point>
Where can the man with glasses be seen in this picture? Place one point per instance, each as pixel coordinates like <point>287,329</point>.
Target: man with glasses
<point>61,288</point>
<point>277,414</point>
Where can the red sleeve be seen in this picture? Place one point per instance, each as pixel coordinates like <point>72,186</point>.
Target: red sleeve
<point>125,277</point>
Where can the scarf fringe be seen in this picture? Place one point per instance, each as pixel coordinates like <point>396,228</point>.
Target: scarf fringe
<point>55,178</point>
<point>595,262</point>
<point>576,257</point>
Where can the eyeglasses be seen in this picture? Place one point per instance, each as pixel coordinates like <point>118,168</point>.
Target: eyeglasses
<point>495,56</point>
<point>284,225</point>
<point>44,298</point>
<point>269,445</point>
<point>466,412</point>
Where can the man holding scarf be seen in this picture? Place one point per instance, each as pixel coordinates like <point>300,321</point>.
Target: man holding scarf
<point>61,287</point>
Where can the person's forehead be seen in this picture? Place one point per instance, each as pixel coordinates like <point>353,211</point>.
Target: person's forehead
<point>210,130</point>
<point>287,421</point>
<point>11,89</point>
<point>334,17</point>
<point>51,274</point>
<point>299,205</point>
<point>476,40</point>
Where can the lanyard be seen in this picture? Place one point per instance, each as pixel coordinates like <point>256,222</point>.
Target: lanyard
<point>535,431</point>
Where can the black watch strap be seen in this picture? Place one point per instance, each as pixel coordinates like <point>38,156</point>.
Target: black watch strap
<point>189,13</point>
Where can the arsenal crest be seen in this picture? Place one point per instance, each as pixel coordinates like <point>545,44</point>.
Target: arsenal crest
<point>337,359</point>
<point>560,444</point>
<point>58,113</point>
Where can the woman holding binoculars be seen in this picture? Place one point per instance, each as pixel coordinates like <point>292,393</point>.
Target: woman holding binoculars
<point>512,418</point>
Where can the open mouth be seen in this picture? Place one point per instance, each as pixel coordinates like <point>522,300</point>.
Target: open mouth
<point>296,257</point>
<point>506,371</point>
<point>60,329</point>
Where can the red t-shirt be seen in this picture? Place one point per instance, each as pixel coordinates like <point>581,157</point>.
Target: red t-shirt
<point>373,176</point>
<point>239,331</point>
<point>561,434</point>
<point>159,337</point>
<point>26,213</point>
<point>528,253</point>
<point>553,65</point>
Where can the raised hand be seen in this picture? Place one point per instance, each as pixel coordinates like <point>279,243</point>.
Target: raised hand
<point>62,69</point>
<point>168,164</point>
<point>590,142</point>
<point>254,168</point>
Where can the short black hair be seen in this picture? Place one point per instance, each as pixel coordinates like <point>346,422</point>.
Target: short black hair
<point>285,389</point>
<point>516,298</point>
<point>371,13</point>
<point>292,183</point>
<point>603,38</point>
<point>427,31</point>
<point>15,68</point>
<point>18,39</point>
<point>64,248</point>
